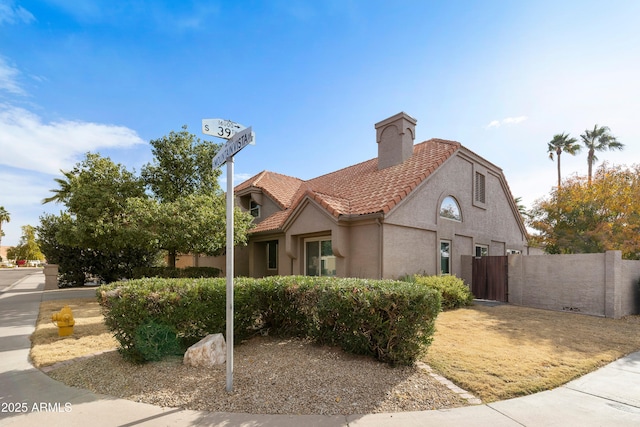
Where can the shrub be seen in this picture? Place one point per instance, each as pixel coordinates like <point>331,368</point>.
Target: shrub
<point>155,341</point>
<point>172,272</point>
<point>392,321</point>
<point>453,291</point>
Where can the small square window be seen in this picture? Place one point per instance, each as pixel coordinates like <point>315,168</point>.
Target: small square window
<point>482,250</point>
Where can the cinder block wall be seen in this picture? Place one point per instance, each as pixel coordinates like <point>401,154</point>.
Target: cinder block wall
<point>595,284</point>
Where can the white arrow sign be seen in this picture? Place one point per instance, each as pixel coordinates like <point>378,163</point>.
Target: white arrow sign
<point>221,128</point>
<point>235,144</point>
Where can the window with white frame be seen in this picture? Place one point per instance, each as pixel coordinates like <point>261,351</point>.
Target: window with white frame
<point>482,250</point>
<point>445,257</point>
<point>319,258</point>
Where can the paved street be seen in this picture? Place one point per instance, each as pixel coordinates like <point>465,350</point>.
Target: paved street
<point>9,276</point>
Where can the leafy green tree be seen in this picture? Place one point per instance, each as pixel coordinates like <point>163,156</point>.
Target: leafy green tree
<point>28,248</point>
<point>4,217</point>
<point>562,143</point>
<point>181,166</point>
<point>96,225</point>
<point>598,139</point>
<point>187,214</point>
<point>195,223</point>
<point>583,217</point>
<point>73,265</point>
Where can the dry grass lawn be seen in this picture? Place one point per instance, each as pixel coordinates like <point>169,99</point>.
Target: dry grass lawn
<point>495,352</point>
<point>90,335</point>
<point>507,351</point>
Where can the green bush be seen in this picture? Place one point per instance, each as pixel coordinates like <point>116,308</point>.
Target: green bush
<point>392,321</point>
<point>453,291</point>
<point>155,341</point>
<point>176,273</point>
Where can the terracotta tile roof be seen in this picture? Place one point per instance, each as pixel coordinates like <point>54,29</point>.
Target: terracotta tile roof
<point>281,188</point>
<point>356,190</point>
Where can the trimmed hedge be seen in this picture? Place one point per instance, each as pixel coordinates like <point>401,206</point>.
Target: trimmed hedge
<point>389,320</point>
<point>453,291</point>
<point>176,273</point>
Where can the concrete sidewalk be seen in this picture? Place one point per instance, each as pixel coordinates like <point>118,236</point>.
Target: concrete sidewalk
<point>28,397</point>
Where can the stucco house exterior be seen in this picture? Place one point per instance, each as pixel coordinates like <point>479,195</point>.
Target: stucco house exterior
<point>413,209</point>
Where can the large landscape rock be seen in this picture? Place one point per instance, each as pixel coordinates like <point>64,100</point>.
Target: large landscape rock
<point>208,352</point>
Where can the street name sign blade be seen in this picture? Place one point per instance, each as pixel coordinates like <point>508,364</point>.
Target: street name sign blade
<point>221,128</point>
<point>235,144</point>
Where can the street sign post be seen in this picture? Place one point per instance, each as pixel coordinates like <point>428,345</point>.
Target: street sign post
<point>238,137</point>
<point>221,128</point>
<point>235,144</point>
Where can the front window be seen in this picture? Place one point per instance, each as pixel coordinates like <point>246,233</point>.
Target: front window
<point>445,257</point>
<point>319,258</point>
<point>272,255</point>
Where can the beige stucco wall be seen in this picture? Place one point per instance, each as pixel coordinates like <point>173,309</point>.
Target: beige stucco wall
<point>558,282</point>
<point>407,251</point>
<point>365,250</point>
<point>597,284</point>
<point>407,248</point>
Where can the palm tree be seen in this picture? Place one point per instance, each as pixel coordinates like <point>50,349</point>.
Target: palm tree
<point>64,192</point>
<point>521,208</point>
<point>598,139</point>
<point>4,217</point>
<point>559,144</point>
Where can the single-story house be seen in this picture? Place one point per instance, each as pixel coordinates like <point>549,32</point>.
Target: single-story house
<point>413,209</point>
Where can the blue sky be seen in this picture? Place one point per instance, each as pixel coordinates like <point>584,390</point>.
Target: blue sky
<point>312,77</point>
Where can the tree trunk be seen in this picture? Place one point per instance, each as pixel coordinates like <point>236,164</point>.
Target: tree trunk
<point>172,259</point>
<point>559,179</point>
<point>590,162</point>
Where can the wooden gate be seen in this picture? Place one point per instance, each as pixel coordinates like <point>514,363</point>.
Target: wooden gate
<point>489,279</point>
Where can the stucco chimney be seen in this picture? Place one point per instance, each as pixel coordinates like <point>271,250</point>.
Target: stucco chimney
<point>395,137</point>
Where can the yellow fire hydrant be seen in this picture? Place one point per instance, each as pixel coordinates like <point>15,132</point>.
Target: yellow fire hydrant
<point>65,321</point>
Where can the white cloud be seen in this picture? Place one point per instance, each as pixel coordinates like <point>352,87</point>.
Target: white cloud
<point>20,190</point>
<point>506,121</point>
<point>27,142</point>
<point>493,124</point>
<point>11,14</point>
<point>9,77</point>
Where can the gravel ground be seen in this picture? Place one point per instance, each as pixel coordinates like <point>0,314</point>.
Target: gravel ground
<point>271,376</point>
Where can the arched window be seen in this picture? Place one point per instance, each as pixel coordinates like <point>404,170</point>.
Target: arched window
<point>449,209</point>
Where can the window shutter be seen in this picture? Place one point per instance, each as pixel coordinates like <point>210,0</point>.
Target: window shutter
<point>480,191</point>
